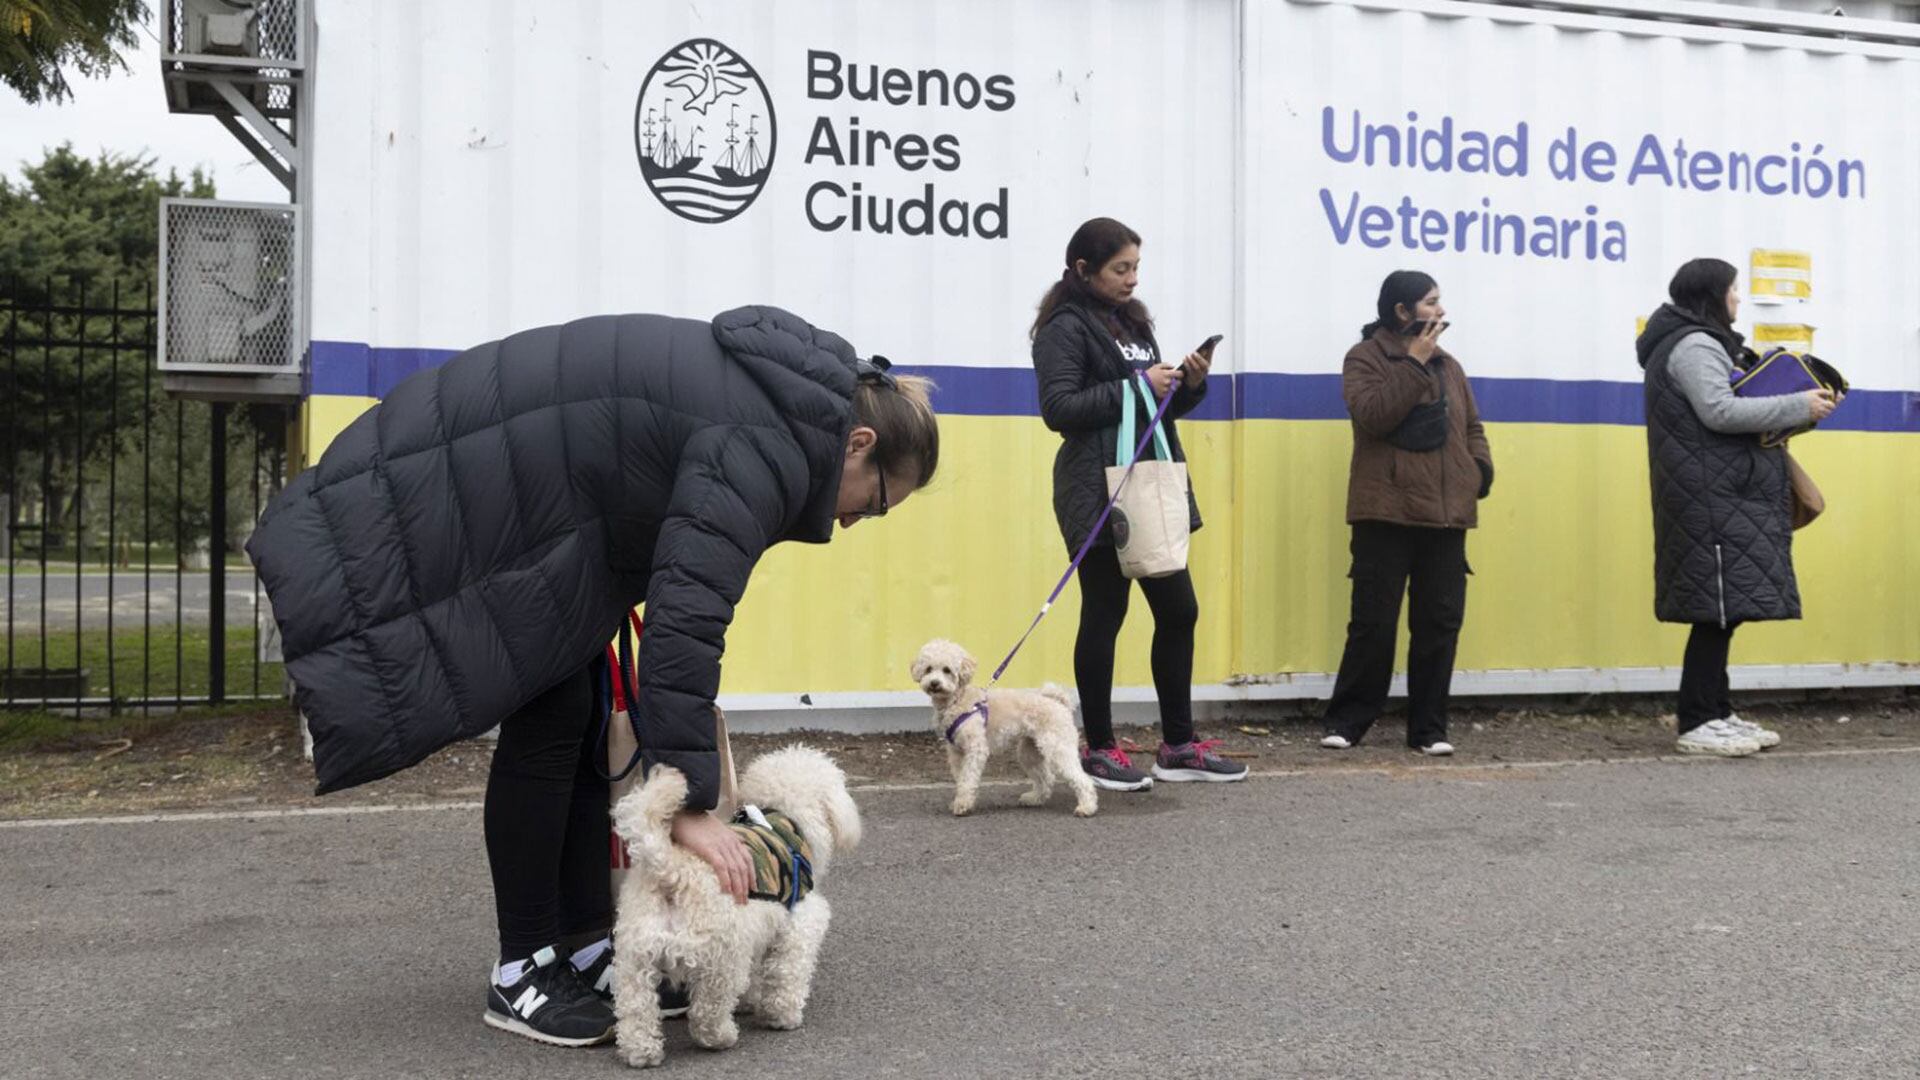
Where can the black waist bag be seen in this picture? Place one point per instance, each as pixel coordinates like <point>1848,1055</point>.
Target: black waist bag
<point>1425,428</point>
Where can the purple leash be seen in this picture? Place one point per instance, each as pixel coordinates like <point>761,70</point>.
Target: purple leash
<point>1087,545</point>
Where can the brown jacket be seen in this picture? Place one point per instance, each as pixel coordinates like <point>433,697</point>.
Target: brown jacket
<point>1436,488</point>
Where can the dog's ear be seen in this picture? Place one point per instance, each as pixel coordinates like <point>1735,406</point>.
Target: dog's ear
<point>967,667</point>
<point>918,669</point>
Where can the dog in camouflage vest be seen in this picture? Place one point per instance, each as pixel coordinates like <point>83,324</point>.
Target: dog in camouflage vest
<point>675,922</point>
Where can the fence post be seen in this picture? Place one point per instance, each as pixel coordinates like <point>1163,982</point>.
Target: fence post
<point>217,563</point>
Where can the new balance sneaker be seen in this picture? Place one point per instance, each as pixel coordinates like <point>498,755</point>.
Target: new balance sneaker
<point>1767,738</point>
<point>550,1004</point>
<point>1112,769</point>
<point>1195,761</point>
<point>598,976</point>
<point>1718,738</point>
<point>1335,742</point>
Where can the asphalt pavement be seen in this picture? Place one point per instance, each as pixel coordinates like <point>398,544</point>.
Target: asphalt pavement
<point>1640,919</point>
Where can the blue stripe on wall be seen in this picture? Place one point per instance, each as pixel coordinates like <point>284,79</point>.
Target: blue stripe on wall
<point>356,369</point>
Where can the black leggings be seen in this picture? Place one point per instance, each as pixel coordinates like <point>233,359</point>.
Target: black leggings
<point>546,821</point>
<point>1704,691</point>
<point>1104,592</point>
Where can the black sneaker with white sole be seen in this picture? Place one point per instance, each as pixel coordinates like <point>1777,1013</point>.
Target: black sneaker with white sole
<point>1111,769</point>
<point>550,1004</point>
<point>599,978</point>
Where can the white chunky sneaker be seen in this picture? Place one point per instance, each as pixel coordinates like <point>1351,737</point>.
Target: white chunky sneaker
<point>1767,738</point>
<point>1717,738</point>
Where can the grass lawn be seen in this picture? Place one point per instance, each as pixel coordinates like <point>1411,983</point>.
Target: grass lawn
<point>150,671</point>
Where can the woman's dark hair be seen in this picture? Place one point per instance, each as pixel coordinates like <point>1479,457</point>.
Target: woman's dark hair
<point>1407,287</point>
<point>1097,241</point>
<point>1699,288</point>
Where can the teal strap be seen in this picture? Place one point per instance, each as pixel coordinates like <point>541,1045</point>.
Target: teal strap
<point>1123,450</point>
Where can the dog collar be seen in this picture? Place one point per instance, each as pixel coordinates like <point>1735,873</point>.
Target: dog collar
<point>980,710</point>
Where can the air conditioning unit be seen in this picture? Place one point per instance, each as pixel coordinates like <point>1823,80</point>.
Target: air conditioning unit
<point>229,287</point>
<point>220,27</point>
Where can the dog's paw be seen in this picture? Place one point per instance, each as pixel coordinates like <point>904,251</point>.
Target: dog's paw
<point>962,809</point>
<point>644,1055</point>
<point>720,1036</point>
<point>1086,810</point>
<point>1032,798</point>
<point>781,1021</point>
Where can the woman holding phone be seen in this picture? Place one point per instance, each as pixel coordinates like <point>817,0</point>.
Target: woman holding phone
<point>1090,339</point>
<point>1722,527</point>
<point>1420,466</point>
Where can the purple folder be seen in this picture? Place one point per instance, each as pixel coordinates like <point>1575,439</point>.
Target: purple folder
<point>1782,372</point>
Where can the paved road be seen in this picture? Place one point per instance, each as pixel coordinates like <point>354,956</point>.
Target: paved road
<point>130,594</point>
<point>1657,919</point>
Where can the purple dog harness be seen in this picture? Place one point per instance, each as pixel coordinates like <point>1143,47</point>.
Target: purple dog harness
<point>979,710</point>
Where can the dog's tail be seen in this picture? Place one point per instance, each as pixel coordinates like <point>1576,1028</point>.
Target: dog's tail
<point>644,818</point>
<point>1058,693</point>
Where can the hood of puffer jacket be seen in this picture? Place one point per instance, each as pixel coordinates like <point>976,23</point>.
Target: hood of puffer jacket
<point>811,374</point>
<point>1668,319</point>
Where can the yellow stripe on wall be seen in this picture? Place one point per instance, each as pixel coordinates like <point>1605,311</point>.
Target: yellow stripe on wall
<point>1562,562</point>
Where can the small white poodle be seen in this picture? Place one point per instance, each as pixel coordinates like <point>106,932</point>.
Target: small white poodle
<point>1038,726</point>
<point>674,921</point>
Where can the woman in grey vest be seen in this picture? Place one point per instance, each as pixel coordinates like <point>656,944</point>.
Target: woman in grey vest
<point>1722,531</point>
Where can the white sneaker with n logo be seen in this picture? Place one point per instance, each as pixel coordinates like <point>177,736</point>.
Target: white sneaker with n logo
<point>548,1003</point>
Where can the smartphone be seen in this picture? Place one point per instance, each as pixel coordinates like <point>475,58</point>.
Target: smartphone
<point>1205,349</point>
<point>1419,326</point>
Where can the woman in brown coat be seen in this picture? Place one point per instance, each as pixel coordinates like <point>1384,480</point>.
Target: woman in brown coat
<point>1420,466</point>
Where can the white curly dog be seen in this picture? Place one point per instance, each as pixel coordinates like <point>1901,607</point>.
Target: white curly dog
<point>1036,725</point>
<point>675,922</point>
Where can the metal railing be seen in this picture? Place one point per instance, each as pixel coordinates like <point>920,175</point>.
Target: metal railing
<point>117,500</point>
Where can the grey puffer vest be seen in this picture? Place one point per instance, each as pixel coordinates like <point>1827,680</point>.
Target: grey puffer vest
<point>1722,532</point>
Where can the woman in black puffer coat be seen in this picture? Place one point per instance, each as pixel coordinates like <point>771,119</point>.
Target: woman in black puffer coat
<point>1090,338</point>
<point>1722,529</point>
<point>462,553</point>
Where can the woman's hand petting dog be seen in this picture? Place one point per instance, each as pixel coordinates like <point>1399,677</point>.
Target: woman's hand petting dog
<point>705,835</point>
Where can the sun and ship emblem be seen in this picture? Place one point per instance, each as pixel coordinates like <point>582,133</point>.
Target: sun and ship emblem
<point>704,131</point>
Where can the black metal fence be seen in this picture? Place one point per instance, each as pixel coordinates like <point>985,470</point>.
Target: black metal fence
<point>124,511</point>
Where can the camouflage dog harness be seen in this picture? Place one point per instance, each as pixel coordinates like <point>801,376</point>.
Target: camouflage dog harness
<point>782,858</point>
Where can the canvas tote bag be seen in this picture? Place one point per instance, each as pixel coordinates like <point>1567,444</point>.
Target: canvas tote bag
<point>1150,522</point>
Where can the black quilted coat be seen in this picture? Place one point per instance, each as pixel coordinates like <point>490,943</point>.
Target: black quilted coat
<point>1081,374</point>
<point>1722,531</point>
<point>478,535</point>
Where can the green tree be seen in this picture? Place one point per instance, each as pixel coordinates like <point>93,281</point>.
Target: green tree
<point>72,232</point>
<point>39,37</point>
<point>88,221</point>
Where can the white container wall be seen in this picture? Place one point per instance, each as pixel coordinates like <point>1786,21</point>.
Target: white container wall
<point>907,174</point>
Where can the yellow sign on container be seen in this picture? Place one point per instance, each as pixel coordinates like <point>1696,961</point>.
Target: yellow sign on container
<point>1793,337</point>
<point>1781,275</point>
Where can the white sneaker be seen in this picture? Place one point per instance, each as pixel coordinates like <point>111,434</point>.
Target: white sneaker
<point>1336,742</point>
<point>1439,749</point>
<point>1718,738</point>
<point>1767,739</point>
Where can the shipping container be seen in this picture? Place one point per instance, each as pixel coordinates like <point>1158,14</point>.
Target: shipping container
<point>907,174</point>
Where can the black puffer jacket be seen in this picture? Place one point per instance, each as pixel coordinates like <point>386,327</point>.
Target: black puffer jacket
<point>1082,375</point>
<point>478,535</point>
<point>1722,531</point>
